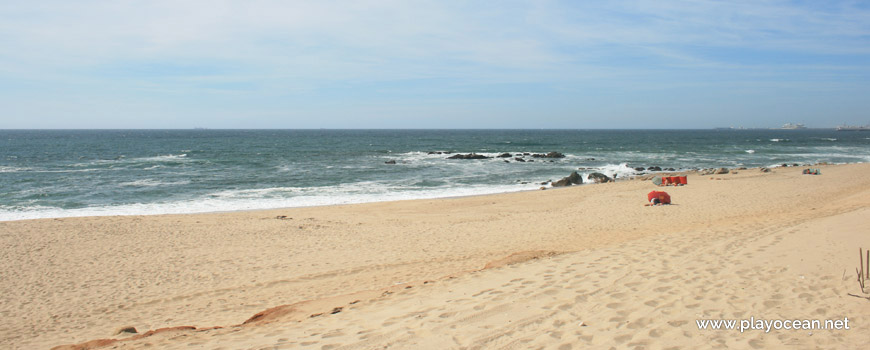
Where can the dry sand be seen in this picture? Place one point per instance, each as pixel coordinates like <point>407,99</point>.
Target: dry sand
<point>582,267</point>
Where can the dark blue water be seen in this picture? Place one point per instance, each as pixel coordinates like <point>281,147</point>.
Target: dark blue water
<point>53,173</point>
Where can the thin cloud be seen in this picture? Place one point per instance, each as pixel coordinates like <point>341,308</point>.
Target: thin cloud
<point>156,51</point>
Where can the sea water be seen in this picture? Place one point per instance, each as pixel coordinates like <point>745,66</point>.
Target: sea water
<point>60,173</point>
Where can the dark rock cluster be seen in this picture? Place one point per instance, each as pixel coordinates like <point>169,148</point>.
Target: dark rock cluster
<point>573,179</point>
<point>599,178</point>
<point>549,155</point>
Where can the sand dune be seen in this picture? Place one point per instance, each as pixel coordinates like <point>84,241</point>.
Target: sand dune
<point>566,269</point>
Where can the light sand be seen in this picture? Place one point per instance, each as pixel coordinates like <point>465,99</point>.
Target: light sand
<point>769,246</point>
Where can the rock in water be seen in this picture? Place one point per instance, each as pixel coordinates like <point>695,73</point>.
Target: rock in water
<point>468,156</point>
<point>599,178</point>
<point>549,155</point>
<point>562,183</point>
<point>573,179</point>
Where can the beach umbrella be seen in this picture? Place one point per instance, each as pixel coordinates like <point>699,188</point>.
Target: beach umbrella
<point>664,197</point>
<point>657,181</point>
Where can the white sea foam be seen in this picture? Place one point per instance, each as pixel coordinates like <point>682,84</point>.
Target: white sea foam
<point>164,158</point>
<point>151,183</point>
<point>73,170</point>
<point>262,199</point>
<point>620,170</point>
<point>12,169</point>
<point>779,140</point>
<point>750,151</point>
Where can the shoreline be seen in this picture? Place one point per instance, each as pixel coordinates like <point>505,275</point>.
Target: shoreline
<point>87,276</point>
<point>639,177</point>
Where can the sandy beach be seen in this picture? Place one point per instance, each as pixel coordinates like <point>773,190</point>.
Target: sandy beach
<point>573,268</point>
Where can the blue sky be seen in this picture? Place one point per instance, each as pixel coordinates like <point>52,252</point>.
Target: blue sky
<point>433,64</point>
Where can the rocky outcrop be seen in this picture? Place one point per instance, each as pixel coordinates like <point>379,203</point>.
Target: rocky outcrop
<point>504,155</point>
<point>390,162</point>
<point>599,178</point>
<point>549,155</point>
<point>573,179</point>
<point>654,168</point>
<point>468,156</point>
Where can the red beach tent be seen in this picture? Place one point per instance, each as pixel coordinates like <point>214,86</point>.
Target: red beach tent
<point>663,196</point>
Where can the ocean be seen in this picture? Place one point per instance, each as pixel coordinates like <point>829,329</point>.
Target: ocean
<point>62,173</point>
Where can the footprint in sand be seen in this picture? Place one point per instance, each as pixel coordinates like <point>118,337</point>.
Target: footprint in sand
<point>622,338</point>
<point>772,303</point>
<point>756,344</point>
<point>676,323</point>
<point>639,323</point>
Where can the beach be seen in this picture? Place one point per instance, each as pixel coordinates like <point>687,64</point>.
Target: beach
<point>579,267</point>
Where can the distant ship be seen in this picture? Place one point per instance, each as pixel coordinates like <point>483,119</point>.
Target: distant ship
<point>853,128</point>
<point>790,126</point>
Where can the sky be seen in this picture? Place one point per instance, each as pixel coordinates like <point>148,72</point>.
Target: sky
<point>433,64</point>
